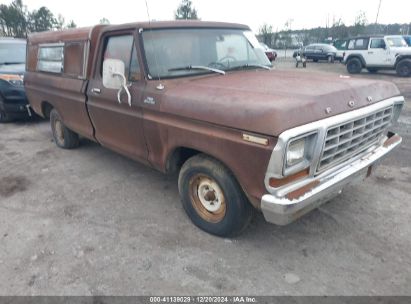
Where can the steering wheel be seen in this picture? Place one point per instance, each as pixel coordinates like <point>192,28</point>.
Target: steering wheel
<point>217,65</point>
<point>227,58</point>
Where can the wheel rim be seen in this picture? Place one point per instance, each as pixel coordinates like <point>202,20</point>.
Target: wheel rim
<point>207,198</point>
<point>404,70</point>
<point>353,67</point>
<point>58,129</point>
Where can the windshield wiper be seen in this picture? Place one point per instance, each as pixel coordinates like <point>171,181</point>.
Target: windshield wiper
<point>239,67</point>
<point>197,67</point>
<point>10,62</point>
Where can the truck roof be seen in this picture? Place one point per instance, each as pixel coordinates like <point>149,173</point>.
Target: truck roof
<point>85,33</point>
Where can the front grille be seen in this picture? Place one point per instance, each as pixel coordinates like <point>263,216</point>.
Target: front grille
<point>349,139</point>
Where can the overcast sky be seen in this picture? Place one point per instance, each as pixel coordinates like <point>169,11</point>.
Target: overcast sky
<point>305,14</point>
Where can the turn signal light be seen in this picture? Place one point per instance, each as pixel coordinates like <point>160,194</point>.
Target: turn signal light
<point>278,182</point>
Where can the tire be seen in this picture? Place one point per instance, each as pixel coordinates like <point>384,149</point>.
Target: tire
<point>354,66</point>
<point>403,68</point>
<point>4,117</point>
<point>63,136</point>
<point>212,198</point>
<point>372,70</point>
<point>315,60</point>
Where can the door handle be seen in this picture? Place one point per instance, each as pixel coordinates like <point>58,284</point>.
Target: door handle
<point>370,52</point>
<point>96,90</point>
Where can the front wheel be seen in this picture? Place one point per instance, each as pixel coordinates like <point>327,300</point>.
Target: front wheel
<point>63,136</point>
<point>403,68</point>
<point>354,66</point>
<point>212,198</point>
<point>4,117</point>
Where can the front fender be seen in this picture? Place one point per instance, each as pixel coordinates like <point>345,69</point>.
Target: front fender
<point>359,56</point>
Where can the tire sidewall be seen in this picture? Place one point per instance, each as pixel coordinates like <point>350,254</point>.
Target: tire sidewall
<point>354,63</point>
<point>236,204</point>
<point>3,117</point>
<point>54,116</point>
<point>401,65</point>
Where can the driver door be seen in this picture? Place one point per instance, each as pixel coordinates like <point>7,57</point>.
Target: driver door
<point>378,53</point>
<point>119,125</point>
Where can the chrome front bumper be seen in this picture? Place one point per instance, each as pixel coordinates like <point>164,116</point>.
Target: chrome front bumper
<point>282,211</point>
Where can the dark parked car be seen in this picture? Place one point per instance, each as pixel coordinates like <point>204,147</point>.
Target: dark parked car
<point>271,54</point>
<point>319,51</point>
<point>13,100</point>
<point>407,38</point>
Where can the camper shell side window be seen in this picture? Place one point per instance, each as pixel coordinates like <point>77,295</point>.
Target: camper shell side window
<point>50,58</point>
<point>65,59</point>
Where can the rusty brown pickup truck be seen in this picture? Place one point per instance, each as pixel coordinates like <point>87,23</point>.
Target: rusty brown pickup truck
<point>202,99</point>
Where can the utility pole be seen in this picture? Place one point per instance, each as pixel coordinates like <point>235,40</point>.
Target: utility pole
<point>376,18</point>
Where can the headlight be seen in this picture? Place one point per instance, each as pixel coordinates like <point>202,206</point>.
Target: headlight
<point>295,152</point>
<point>15,80</point>
<point>299,153</point>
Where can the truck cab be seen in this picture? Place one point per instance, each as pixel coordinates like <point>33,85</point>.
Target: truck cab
<point>13,101</point>
<point>378,53</point>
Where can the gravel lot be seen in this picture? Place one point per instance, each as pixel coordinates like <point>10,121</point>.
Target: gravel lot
<point>91,222</point>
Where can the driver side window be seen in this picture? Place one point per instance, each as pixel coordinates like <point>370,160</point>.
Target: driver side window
<point>377,44</point>
<point>122,48</point>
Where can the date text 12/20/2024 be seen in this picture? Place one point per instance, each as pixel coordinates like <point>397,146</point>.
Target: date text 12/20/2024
<point>204,299</point>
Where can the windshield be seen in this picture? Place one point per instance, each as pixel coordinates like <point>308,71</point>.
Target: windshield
<point>396,42</point>
<point>171,52</point>
<point>264,46</point>
<point>12,53</point>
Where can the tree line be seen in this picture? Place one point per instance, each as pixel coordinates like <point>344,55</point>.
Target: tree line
<point>288,38</point>
<point>17,21</point>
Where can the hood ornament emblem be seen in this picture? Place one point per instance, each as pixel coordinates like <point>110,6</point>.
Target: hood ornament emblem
<point>351,103</point>
<point>369,99</point>
<point>328,110</point>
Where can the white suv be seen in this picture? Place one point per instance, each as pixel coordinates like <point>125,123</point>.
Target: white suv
<point>377,53</point>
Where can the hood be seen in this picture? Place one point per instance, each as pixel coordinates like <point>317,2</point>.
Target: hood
<point>270,102</point>
<point>401,50</point>
<point>13,68</point>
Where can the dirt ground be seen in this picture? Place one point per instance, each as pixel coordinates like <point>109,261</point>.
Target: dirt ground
<point>91,222</point>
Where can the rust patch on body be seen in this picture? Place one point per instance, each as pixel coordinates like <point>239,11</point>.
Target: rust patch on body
<point>392,140</point>
<point>10,185</point>
<point>274,182</point>
<point>303,190</point>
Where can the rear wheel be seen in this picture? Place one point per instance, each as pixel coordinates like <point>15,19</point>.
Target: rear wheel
<point>63,136</point>
<point>354,66</point>
<point>403,68</point>
<point>212,198</point>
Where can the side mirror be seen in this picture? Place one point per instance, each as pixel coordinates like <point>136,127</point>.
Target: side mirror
<point>113,78</point>
<point>112,69</point>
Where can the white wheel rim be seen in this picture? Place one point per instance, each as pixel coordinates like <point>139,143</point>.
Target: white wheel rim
<point>210,195</point>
